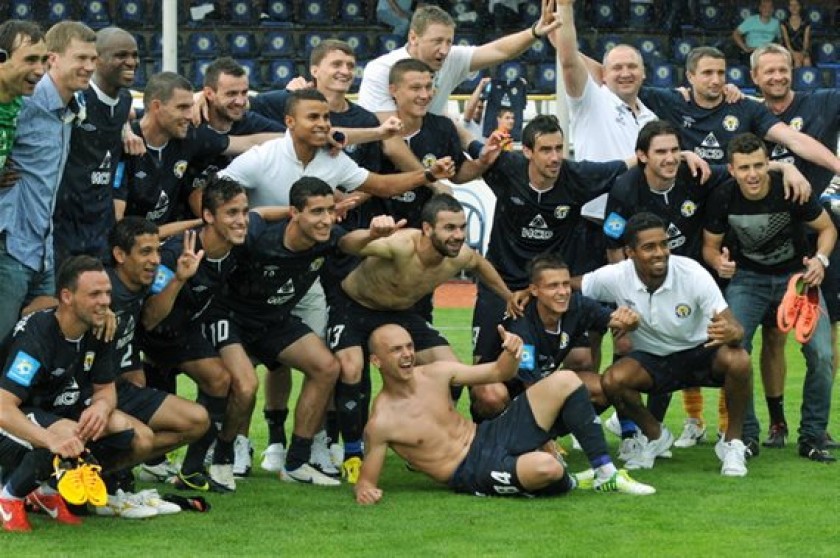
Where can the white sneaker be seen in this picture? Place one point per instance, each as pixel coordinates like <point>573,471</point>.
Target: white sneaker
<point>164,471</point>
<point>630,447</point>
<point>622,482</point>
<point>307,474</point>
<point>320,457</point>
<point>152,499</point>
<point>274,458</point>
<point>651,450</point>
<point>243,456</point>
<point>223,475</point>
<point>125,505</point>
<point>336,454</point>
<point>734,459</point>
<point>613,425</point>
<point>693,432</point>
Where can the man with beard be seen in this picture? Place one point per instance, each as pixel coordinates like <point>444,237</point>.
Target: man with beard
<point>398,271</point>
<point>687,337</point>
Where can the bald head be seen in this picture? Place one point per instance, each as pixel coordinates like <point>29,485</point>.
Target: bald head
<point>385,335</point>
<point>117,60</point>
<point>107,37</point>
<point>624,72</point>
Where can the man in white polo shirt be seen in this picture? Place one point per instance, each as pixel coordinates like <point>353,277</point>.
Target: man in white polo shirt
<point>687,337</point>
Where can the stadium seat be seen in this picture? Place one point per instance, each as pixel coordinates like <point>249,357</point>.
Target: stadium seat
<point>310,41</point>
<point>740,15</point>
<point>142,48</point>
<point>530,12</point>
<point>663,74</point>
<point>140,76</point>
<point>358,71</point>
<point>711,16</point>
<point>464,13</point>
<point>60,10</point>
<point>465,39</point>
<point>467,86</point>
<point>352,12</point>
<point>826,53</point>
<point>22,9</point>
<point>511,71</point>
<point>388,42</point>
<point>95,14</point>
<point>641,15</point>
<point>539,51</point>
<point>682,46</point>
<point>738,76</point>
<point>131,14</point>
<point>242,44</point>
<point>605,43</point>
<point>279,12</point>
<point>253,71</point>
<point>605,13</point>
<point>199,66</point>
<point>203,44</point>
<point>651,47</point>
<point>546,78</point>
<point>818,17</point>
<point>781,14</point>
<point>807,79</point>
<point>358,41</point>
<point>315,11</point>
<point>280,72</point>
<point>242,12</point>
<point>476,226</point>
<point>156,45</point>
<point>279,44</point>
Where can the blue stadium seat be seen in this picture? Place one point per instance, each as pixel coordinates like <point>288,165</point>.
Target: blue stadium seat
<point>663,75</point>
<point>818,18</point>
<point>358,41</point>
<point>131,14</point>
<point>467,86</point>
<point>465,39</point>
<point>358,71</point>
<point>826,53</point>
<point>242,12</point>
<point>837,77</point>
<point>22,9</point>
<point>142,48</point>
<point>641,15</point>
<point>781,14</point>
<point>807,79</point>
<point>460,10</point>
<point>95,14</point>
<point>310,41</point>
<point>539,51</point>
<point>738,76</point>
<point>279,12</point>
<point>530,12</point>
<point>59,10</point>
<point>140,76</point>
<point>352,12</point>
<point>511,71</point>
<point>253,70</point>
<point>203,44</point>
<point>740,15</point>
<point>388,42</point>
<point>242,44</point>
<point>651,47</point>
<point>711,16</point>
<point>279,44</point>
<point>605,13</point>
<point>605,43</point>
<point>156,45</point>
<point>315,11</point>
<point>682,46</point>
<point>546,78</point>
<point>199,66</point>
<point>280,72</point>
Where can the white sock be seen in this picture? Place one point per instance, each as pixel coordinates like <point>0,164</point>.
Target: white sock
<point>605,472</point>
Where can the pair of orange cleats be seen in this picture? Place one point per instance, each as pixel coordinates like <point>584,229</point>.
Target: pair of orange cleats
<point>800,309</point>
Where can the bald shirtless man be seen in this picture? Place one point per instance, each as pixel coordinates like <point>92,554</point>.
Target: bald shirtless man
<point>398,270</point>
<point>414,416</point>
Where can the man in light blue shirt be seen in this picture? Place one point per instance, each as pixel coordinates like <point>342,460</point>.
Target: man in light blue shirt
<point>758,30</point>
<point>39,154</point>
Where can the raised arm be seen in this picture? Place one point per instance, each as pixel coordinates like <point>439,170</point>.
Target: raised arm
<point>168,285</point>
<point>502,369</point>
<point>381,226</point>
<point>564,39</point>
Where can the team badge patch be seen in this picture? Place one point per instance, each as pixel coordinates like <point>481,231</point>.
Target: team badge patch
<point>614,225</point>
<point>564,340</point>
<point>529,360</point>
<point>730,123</point>
<point>316,264</point>
<point>682,310</point>
<point>796,123</point>
<point>179,169</point>
<point>23,369</point>
<point>561,211</point>
<point>89,358</point>
<point>688,208</point>
<point>429,159</point>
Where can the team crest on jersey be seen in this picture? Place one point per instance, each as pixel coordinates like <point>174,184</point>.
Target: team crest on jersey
<point>688,208</point>
<point>730,123</point>
<point>180,168</point>
<point>796,123</point>
<point>89,358</point>
<point>429,159</point>
<point>688,121</point>
<point>316,264</point>
<point>561,211</point>
<point>682,310</point>
<point>564,340</point>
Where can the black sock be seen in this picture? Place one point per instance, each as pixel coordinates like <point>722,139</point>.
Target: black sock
<point>658,404</point>
<point>34,468</point>
<point>276,421</point>
<point>299,453</point>
<point>223,454</point>
<point>331,426</point>
<point>776,408</point>
<point>349,408</point>
<point>197,451</point>
<point>561,486</point>
<point>578,416</point>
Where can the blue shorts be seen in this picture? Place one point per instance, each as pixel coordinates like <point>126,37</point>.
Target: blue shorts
<point>677,371</point>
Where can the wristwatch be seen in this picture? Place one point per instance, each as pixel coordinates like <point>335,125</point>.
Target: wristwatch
<point>822,259</point>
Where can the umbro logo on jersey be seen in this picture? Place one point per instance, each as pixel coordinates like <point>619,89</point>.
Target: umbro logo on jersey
<point>710,141</point>
<point>538,222</point>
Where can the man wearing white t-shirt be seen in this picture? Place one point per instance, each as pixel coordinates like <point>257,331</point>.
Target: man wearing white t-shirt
<point>687,337</point>
<point>430,40</point>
